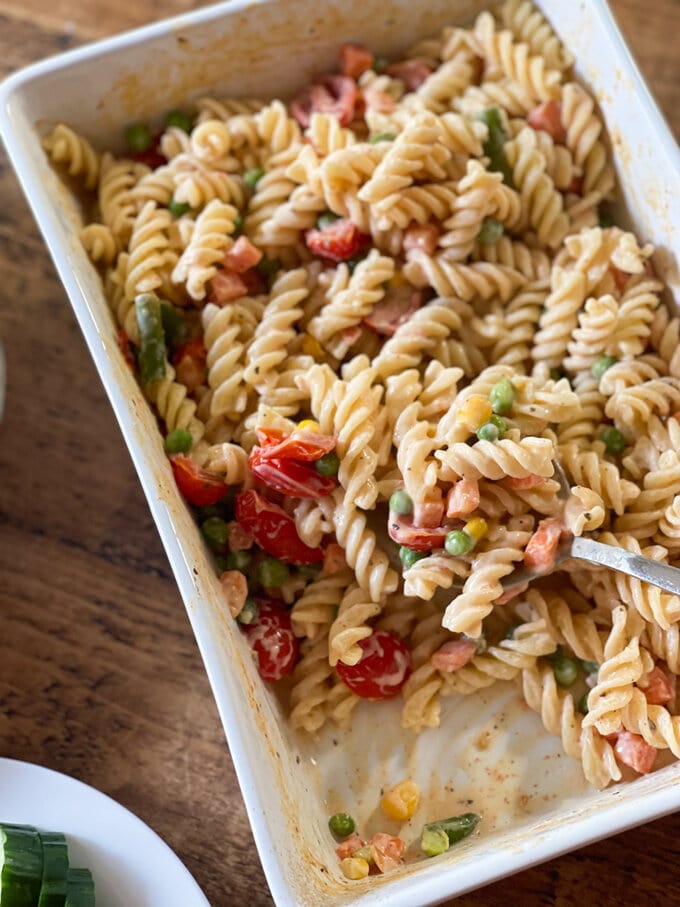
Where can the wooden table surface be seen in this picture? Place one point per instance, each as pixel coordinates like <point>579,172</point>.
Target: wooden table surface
<point>100,676</point>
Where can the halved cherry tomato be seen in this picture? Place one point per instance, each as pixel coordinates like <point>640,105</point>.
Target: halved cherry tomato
<point>290,477</point>
<point>383,669</point>
<point>633,750</point>
<point>395,309</point>
<point>453,655</point>
<point>189,360</point>
<point>306,446</point>
<point>273,530</point>
<point>387,851</point>
<point>226,286</point>
<point>126,348</point>
<point>539,553</point>
<point>355,59</point>
<point>242,256</point>
<point>418,538</point>
<point>423,237</point>
<point>336,95</point>
<point>272,640</point>
<point>200,487</point>
<point>339,241</point>
<point>463,498</point>
<point>526,483</point>
<point>411,72</point>
<point>548,117</point>
<point>657,687</point>
<point>152,157</point>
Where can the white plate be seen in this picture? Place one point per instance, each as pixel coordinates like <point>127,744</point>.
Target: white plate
<point>131,865</point>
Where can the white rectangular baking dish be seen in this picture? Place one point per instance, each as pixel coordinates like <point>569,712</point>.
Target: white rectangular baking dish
<point>491,754</point>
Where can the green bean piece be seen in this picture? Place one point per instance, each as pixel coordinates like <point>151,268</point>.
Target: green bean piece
<point>488,432</point>
<point>502,396</point>
<point>590,667</point>
<point>565,670</point>
<point>491,231</point>
<point>180,120</point>
<point>382,137</point>
<point>152,350</point>
<point>409,556</point>
<point>253,176</point>
<point>434,841</point>
<point>138,137</point>
<point>177,209</point>
<point>328,464</point>
<point>342,825</point>
<point>238,560</point>
<point>458,542</point>
<point>174,327</point>
<point>215,531</point>
<point>248,613</point>
<point>493,147</point>
<point>456,827</point>
<point>556,374</point>
<point>600,366</point>
<point>500,423</point>
<point>582,704</point>
<point>272,573</point>
<point>178,441</point>
<point>401,502</point>
<point>238,224</point>
<point>326,219</point>
<point>614,441</point>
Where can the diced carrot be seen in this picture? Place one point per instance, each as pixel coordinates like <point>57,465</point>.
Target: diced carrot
<point>189,360</point>
<point>428,514</point>
<point>242,256</point>
<point>334,558</point>
<point>387,851</point>
<point>539,553</point>
<point>423,237</point>
<point>633,750</point>
<point>453,655</point>
<point>349,845</point>
<point>355,59</point>
<point>548,117</point>
<point>657,687</point>
<point>226,286</point>
<point>526,483</point>
<point>463,498</point>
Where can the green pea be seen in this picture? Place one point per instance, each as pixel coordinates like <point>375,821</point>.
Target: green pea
<point>248,613</point>
<point>401,503</point>
<point>614,441</point>
<point>556,374</point>
<point>502,396</point>
<point>565,670</point>
<point>488,432</point>
<point>600,366</point>
<point>177,209</point>
<point>268,268</point>
<point>328,464</point>
<point>342,825</point>
<point>456,827</point>
<point>382,137</point>
<point>458,542</point>
<point>215,531</point>
<point>380,64</point>
<point>238,224</point>
<point>325,219</point>
<point>238,560</point>
<point>500,423</point>
<point>434,841</point>
<point>409,557</point>
<point>180,120</point>
<point>491,231</point>
<point>138,137</point>
<point>253,176</point>
<point>582,704</point>
<point>272,573</point>
<point>606,220</point>
<point>590,667</point>
<point>178,441</point>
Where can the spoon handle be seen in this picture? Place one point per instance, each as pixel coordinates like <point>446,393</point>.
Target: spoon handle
<point>644,568</point>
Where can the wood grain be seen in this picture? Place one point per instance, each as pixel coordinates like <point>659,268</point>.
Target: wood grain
<point>99,672</point>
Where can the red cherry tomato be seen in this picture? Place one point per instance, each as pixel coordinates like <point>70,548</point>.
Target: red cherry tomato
<point>272,640</point>
<point>200,487</point>
<point>305,446</point>
<point>273,530</point>
<point>289,477</point>
<point>383,669</point>
<point>339,241</point>
<point>419,538</point>
<point>548,117</point>
<point>336,95</point>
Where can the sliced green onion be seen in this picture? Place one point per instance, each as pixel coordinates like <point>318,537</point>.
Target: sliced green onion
<point>248,613</point>
<point>342,825</point>
<point>180,120</point>
<point>502,396</point>
<point>458,543</point>
<point>252,177</point>
<point>177,209</point>
<point>138,137</point>
<point>178,441</point>
<point>600,366</point>
<point>272,573</point>
<point>382,137</point>
<point>215,531</point>
<point>565,670</point>
<point>401,502</point>
<point>614,441</point>
<point>409,556</point>
<point>491,231</point>
<point>328,464</point>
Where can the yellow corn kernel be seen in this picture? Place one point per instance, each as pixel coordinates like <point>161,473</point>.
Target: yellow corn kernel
<point>397,279</point>
<point>354,868</point>
<point>401,802</point>
<point>309,425</point>
<point>312,347</point>
<point>477,528</point>
<point>475,412</point>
